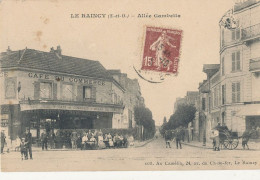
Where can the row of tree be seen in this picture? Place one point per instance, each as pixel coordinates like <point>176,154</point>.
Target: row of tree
<point>144,118</point>
<point>184,114</point>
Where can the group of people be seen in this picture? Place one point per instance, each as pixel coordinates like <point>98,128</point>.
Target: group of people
<point>97,139</point>
<point>24,144</point>
<point>176,135</point>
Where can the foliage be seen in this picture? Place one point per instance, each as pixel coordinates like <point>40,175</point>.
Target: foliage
<point>144,117</point>
<point>184,114</point>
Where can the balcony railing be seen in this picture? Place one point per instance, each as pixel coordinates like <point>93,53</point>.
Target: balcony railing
<point>254,64</point>
<point>251,32</point>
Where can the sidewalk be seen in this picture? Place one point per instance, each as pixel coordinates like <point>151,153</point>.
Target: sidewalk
<point>137,144</point>
<point>253,145</point>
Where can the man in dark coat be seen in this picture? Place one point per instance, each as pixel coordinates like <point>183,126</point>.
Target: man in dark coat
<point>178,138</point>
<point>2,141</point>
<point>44,139</point>
<point>28,141</point>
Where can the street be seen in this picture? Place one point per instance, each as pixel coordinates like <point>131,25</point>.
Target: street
<point>152,156</point>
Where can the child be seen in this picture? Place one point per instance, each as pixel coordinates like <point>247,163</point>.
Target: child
<point>23,148</point>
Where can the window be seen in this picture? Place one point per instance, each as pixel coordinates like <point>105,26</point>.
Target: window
<point>236,34</point>
<point>236,61</point>
<point>235,92</point>
<point>223,41</point>
<point>45,90</point>
<point>87,92</point>
<point>115,98</point>
<point>67,92</point>
<point>223,94</point>
<point>215,96</point>
<point>203,104</point>
<point>223,118</point>
<point>10,88</point>
<point>223,66</point>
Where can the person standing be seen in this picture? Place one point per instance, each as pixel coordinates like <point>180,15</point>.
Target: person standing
<point>167,137</point>
<point>216,139</point>
<point>178,138</point>
<point>73,139</point>
<point>2,141</point>
<point>28,141</point>
<point>44,139</point>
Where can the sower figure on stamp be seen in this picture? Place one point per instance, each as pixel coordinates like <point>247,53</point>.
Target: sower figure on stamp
<point>28,141</point>
<point>160,47</point>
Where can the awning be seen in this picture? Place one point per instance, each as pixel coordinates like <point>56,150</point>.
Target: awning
<point>249,110</point>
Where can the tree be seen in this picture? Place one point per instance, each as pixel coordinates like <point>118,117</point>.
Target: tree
<point>144,117</point>
<point>182,116</point>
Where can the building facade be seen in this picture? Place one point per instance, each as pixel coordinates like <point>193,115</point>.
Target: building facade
<point>239,69</point>
<point>132,97</point>
<point>231,93</point>
<point>43,90</point>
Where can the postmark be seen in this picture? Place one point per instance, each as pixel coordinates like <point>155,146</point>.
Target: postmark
<point>161,50</point>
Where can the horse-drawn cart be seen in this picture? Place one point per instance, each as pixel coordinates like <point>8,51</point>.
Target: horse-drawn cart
<point>227,138</point>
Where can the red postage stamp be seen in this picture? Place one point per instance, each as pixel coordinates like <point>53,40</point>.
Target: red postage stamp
<point>161,50</point>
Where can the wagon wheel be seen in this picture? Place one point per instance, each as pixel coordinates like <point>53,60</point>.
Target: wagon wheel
<point>230,143</point>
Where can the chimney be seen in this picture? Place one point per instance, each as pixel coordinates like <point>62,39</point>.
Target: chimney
<point>58,50</point>
<point>8,50</point>
<point>52,49</point>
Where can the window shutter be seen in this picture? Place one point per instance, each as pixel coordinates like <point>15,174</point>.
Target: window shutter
<point>233,92</point>
<point>55,91</point>
<point>80,93</point>
<point>36,90</point>
<point>233,35</point>
<point>223,41</point>
<point>93,93</point>
<point>238,60</point>
<point>238,34</point>
<point>223,65</point>
<point>224,93</point>
<point>238,92</point>
<point>73,93</point>
<point>233,62</point>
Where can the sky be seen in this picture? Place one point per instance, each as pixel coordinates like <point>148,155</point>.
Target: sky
<point>117,43</point>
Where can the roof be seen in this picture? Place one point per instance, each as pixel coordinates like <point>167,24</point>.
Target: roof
<point>51,61</point>
<point>211,69</point>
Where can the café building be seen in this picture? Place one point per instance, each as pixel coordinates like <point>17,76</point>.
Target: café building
<point>48,90</point>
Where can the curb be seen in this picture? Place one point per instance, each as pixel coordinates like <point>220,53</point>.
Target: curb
<point>150,140</point>
<point>204,147</point>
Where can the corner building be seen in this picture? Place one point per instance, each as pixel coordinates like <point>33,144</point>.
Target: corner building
<point>49,90</point>
<point>240,69</point>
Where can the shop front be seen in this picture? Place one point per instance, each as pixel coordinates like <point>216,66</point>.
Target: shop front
<point>54,115</point>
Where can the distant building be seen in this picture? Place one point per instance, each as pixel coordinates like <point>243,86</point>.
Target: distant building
<point>191,98</point>
<point>132,97</point>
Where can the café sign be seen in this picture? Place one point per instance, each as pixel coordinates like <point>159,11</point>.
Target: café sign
<point>66,79</point>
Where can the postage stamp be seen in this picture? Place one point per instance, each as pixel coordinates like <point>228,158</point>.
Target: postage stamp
<point>161,51</point>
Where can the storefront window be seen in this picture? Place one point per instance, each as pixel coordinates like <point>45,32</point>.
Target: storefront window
<point>45,90</point>
<point>67,92</point>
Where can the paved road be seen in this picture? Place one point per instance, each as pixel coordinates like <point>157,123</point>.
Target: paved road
<point>152,156</point>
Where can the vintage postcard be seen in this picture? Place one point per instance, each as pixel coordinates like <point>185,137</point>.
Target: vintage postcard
<point>129,85</point>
